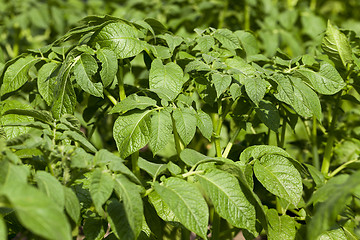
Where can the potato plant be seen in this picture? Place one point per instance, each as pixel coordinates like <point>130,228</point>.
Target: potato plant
<point>124,130</point>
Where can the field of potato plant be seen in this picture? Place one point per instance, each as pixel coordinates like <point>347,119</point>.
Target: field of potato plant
<point>179,119</point>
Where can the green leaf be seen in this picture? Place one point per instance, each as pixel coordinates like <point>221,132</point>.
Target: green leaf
<point>169,76</point>
<point>161,208</point>
<point>336,45</point>
<point>204,43</point>
<point>46,81</point>
<point>118,221</point>
<point>228,199</point>
<point>129,193</point>
<point>255,89</point>
<point>64,96</point>
<point>227,38</point>
<point>132,102</point>
<point>204,123</point>
<point>51,187</point>
<point>280,227</point>
<point>185,122</point>
<point>3,229</point>
<point>41,115</point>
<point>336,234</point>
<point>248,42</point>
<point>277,174</point>
<point>12,175</point>
<point>306,102</point>
<point>172,41</point>
<point>154,169</point>
<point>85,67</point>
<point>109,65</point>
<point>81,159</point>
<point>160,130</point>
<point>120,37</point>
<point>191,157</point>
<point>221,83</point>
<point>235,91</point>
<point>14,131</point>
<point>72,204</point>
<point>187,204</point>
<point>101,187</point>
<point>39,213</point>
<point>16,75</point>
<point>240,67</point>
<point>327,81</point>
<point>268,114</point>
<point>80,139</point>
<point>132,132</point>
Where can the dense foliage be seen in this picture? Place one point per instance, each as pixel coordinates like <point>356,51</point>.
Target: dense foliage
<point>180,118</point>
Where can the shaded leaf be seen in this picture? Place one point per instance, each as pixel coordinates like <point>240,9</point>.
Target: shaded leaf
<point>268,114</point>
<point>160,130</point>
<point>46,81</point>
<point>51,187</point>
<point>204,123</point>
<point>109,65</point>
<point>72,204</point>
<point>100,188</point>
<point>255,88</point>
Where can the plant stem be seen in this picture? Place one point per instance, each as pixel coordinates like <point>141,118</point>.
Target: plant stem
<point>178,143</point>
<point>331,138</point>
<point>341,167</point>
<point>120,77</point>
<point>217,130</point>
<point>110,97</point>
<point>315,153</point>
<point>231,142</point>
<point>134,164</point>
<point>313,5</point>
<point>223,13</point>
<point>246,16</point>
<point>215,226</point>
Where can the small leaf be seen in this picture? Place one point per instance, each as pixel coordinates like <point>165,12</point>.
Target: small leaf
<point>336,45</point>
<point>277,174</point>
<point>133,101</point>
<point>120,37</point>
<point>132,132</point>
<point>84,69</point>
<point>228,199</point>
<point>268,114</point>
<point>280,227</point>
<point>169,76</point>
<point>16,75</point>
<point>80,139</point>
<point>109,65</point>
<point>204,123</point>
<point>327,81</point>
<point>187,204</point>
<point>101,187</point>
<point>255,89</point>
<point>227,38</point>
<point>235,91</point>
<point>160,130</point>
<point>185,122</point>
<point>51,187</point>
<point>46,81</point>
<point>204,43</point>
<point>154,169</point>
<point>81,159</point>
<point>221,83</point>
<point>129,193</point>
<point>72,205</point>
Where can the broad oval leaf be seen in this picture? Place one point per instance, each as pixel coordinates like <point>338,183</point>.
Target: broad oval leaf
<point>120,37</point>
<point>160,130</point>
<point>280,227</point>
<point>337,46</point>
<point>85,67</point>
<point>278,175</point>
<point>132,132</point>
<point>204,123</point>
<point>227,38</point>
<point>161,208</point>
<point>169,76</point>
<point>185,122</point>
<point>129,193</point>
<point>221,82</point>
<point>268,114</point>
<point>100,188</point>
<point>46,81</point>
<point>255,88</point>
<point>39,213</point>
<point>51,187</point>
<point>327,81</point>
<point>228,199</point>
<point>133,101</point>
<point>72,204</point>
<point>16,75</point>
<point>187,204</point>
<point>109,65</point>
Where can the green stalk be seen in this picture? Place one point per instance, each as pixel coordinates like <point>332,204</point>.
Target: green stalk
<point>341,167</point>
<point>215,226</point>
<point>178,142</point>
<point>134,164</point>
<point>110,97</point>
<point>330,141</point>
<point>246,16</point>
<point>283,133</point>
<point>222,14</point>
<point>313,5</point>
<point>316,162</point>
<point>120,77</point>
<point>231,142</point>
<point>217,130</point>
